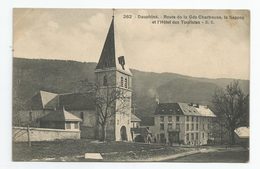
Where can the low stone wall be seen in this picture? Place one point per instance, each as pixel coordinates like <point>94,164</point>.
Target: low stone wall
<point>43,134</point>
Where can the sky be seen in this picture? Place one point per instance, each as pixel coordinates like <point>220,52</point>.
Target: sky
<point>219,50</point>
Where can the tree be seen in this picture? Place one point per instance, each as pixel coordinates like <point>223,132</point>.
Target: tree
<point>108,100</point>
<point>231,108</point>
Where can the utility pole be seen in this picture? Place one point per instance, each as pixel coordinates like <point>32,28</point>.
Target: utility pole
<point>220,134</point>
<point>29,141</point>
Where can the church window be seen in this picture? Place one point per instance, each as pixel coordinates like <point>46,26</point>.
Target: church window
<point>105,80</point>
<point>125,82</point>
<point>82,115</point>
<point>122,82</point>
<point>30,116</point>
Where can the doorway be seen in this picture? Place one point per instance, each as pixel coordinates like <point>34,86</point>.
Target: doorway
<point>174,136</point>
<point>123,133</point>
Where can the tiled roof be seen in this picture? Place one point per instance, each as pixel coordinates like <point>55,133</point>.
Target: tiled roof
<point>205,111</point>
<point>60,115</point>
<point>188,109</point>
<point>134,118</point>
<point>71,101</point>
<point>76,101</point>
<point>168,109</point>
<point>35,103</point>
<point>147,121</point>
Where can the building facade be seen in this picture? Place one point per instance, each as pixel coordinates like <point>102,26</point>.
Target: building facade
<point>184,123</point>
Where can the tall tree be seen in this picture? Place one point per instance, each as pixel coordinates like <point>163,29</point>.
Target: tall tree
<point>231,108</point>
<point>105,98</point>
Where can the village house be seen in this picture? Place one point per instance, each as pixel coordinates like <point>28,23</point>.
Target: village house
<point>184,123</point>
<point>60,119</point>
<point>135,121</point>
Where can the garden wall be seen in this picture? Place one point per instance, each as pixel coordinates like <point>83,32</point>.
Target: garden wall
<point>42,134</point>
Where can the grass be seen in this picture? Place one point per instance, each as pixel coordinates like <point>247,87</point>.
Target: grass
<point>236,155</point>
<point>73,148</point>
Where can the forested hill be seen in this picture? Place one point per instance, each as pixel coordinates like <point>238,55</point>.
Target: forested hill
<point>59,76</point>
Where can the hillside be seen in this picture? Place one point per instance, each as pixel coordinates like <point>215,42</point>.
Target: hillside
<point>59,76</point>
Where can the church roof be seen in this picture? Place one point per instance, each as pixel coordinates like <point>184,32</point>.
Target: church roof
<point>112,56</point>
<point>134,118</point>
<point>42,100</point>
<point>60,115</point>
<point>51,101</point>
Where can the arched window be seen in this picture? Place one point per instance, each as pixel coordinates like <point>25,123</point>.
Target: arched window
<point>122,82</point>
<point>105,80</point>
<point>82,115</point>
<point>125,82</point>
<point>30,116</point>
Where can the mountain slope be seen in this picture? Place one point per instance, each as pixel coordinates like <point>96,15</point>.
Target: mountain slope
<point>59,76</point>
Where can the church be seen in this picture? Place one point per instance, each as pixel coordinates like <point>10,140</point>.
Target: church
<point>111,72</point>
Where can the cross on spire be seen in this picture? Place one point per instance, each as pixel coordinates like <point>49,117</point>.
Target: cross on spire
<point>113,12</point>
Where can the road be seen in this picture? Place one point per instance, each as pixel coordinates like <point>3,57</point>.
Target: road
<point>219,157</point>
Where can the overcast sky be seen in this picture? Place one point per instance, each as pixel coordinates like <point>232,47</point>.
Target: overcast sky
<point>219,50</point>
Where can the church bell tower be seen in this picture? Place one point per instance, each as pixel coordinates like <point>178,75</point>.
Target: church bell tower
<point>112,73</point>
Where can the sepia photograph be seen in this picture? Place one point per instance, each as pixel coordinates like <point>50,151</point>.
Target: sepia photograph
<point>131,85</point>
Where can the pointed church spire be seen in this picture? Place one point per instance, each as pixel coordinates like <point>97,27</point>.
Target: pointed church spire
<point>112,55</point>
<point>107,58</point>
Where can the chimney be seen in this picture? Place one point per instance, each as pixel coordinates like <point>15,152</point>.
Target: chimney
<point>197,105</point>
<point>157,100</point>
